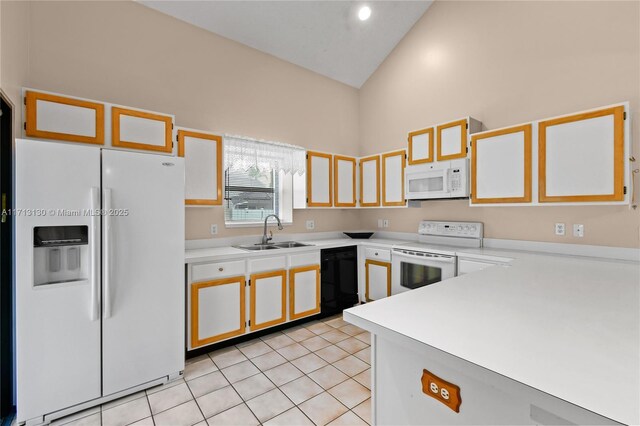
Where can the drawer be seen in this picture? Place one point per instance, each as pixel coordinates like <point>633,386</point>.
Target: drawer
<point>208,271</point>
<point>262,264</point>
<point>375,253</point>
<point>304,259</point>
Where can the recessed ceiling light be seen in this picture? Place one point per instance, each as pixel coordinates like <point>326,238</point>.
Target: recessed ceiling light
<point>364,13</point>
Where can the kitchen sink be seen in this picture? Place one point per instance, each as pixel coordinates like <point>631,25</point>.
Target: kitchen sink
<point>290,244</point>
<point>272,246</point>
<point>254,247</point>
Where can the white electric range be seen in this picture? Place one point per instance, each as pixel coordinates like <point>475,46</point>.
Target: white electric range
<point>433,258</point>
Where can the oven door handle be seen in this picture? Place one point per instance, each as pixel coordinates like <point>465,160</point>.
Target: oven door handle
<point>442,259</point>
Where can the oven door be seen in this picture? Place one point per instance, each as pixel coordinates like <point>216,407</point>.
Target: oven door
<point>411,270</point>
<point>427,184</point>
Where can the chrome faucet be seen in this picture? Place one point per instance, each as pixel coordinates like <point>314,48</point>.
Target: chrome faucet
<point>265,239</point>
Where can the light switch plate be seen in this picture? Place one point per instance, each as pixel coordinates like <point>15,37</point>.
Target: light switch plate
<point>578,230</point>
<point>379,223</point>
<point>385,223</point>
<point>311,224</point>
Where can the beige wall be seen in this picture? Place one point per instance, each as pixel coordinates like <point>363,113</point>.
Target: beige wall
<point>14,48</point>
<point>505,63</point>
<point>501,62</point>
<point>125,53</point>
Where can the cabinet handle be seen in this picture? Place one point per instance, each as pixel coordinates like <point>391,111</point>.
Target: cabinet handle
<point>376,253</point>
<point>220,269</point>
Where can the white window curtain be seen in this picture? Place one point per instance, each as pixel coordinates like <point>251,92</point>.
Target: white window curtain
<point>242,153</point>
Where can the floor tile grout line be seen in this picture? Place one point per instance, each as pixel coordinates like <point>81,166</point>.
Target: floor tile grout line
<point>149,405</point>
<point>194,397</point>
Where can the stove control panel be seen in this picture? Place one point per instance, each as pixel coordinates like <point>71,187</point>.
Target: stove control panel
<point>451,229</point>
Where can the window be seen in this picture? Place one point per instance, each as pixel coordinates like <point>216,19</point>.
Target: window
<point>250,196</point>
<point>262,178</point>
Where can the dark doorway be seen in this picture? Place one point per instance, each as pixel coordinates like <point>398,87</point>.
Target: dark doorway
<point>6,258</point>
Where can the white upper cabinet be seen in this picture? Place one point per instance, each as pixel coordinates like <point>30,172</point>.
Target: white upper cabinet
<point>421,146</point>
<point>56,117</point>
<point>501,165</point>
<point>370,181</point>
<point>319,179</point>
<point>451,138</point>
<point>581,157</point>
<point>142,130</point>
<point>393,164</point>
<point>202,154</point>
<point>344,181</point>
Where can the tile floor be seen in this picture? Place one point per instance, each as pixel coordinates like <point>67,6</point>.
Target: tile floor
<point>314,374</point>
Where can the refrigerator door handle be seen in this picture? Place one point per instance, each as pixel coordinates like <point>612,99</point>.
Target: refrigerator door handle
<point>95,253</point>
<point>107,253</point>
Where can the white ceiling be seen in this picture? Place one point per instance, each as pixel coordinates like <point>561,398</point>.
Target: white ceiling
<point>324,36</point>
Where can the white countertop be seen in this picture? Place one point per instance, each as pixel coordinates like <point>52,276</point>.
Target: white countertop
<point>228,252</point>
<point>565,325</point>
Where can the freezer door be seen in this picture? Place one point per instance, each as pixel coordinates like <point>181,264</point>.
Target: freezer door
<point>143,268</point>
<point>57,276</point>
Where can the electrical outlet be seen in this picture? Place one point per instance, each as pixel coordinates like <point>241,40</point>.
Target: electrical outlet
<point>379,223</point>
<point>441,390</point>
<point>311,224</point>
<point>385,223</point>
<point>214,229</point>
<point>560,229</point>
<point>578,230</point>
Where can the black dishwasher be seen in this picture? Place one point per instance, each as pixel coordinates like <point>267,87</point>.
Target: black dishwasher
<point>339,279</point>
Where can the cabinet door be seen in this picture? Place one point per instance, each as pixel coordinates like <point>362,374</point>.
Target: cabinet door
<point>370,181</point>
<point>304,291</point>
<point>61,118</point>
<point>501,166</point>
<point>452,140</point>
<point>393,164</point>
<point>268,299</point>
<point>581,157</point>
<point>377,279</point>
<point>217,310</point>
<point>344,181</point>
<point>421,146</point>
<point>202,154</point>
<point>141,130</point>
<point>319,180</point>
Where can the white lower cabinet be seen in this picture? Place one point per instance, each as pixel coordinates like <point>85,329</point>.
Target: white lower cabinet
<point>268,299</point>
<point>304,291</point>
<point>234,297</point>
<point>378,279</point>
<point>217,310</point>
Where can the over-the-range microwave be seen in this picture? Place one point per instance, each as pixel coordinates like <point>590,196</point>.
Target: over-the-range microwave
<point>437,180</point>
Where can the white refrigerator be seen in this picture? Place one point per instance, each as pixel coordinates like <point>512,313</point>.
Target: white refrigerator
<point>99,294</point>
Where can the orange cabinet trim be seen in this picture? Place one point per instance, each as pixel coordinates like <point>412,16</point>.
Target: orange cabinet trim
<point>196,341</point>
<point>31,100</point>
<point>618,157</point>
<point>336,159</point>
<point>384,178</point>
<point>116,112</point>
<point>429,159</point>
<point>218,141</point>
<point>366,269</point>
<point>376,203</point>
<point>254,277</point>
<point>463,140</point>
<point>292,291</point>
<point>310,201</point>
<point>526,198</point>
